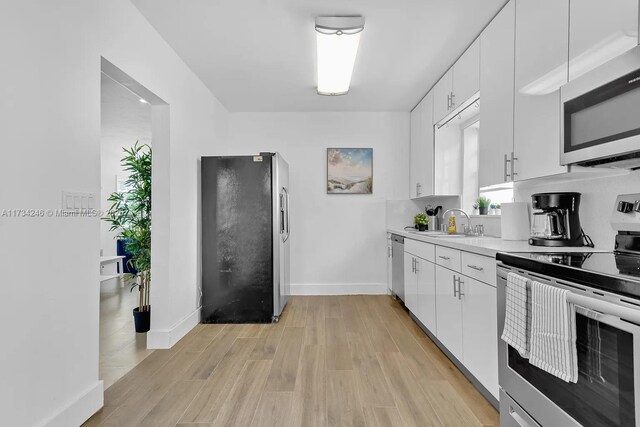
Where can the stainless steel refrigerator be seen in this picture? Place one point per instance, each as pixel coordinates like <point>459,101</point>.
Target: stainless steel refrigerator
<point>245,238</point>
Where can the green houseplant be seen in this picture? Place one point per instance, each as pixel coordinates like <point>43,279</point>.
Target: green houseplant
<point>130,216</point>
<point>483,204</point>
<point>421,221</point>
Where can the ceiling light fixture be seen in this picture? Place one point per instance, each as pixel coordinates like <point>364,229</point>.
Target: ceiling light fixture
<point>144,101</point>
<point>337,39</point>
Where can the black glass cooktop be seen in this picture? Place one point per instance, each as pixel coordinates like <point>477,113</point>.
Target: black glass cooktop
<point>616,272</point>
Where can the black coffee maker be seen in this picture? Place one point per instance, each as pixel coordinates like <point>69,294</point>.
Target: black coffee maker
<point>556,221</point>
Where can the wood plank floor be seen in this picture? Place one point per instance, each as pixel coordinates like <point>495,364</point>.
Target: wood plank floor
<point>331,361</point>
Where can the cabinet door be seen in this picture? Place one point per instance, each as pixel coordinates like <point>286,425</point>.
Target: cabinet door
<point>541,54</point>
<point>421,168</point>
<point>410,284</point>
<point>427,294</point>
<point>448,312</point>
<point>441,93</point>
<point>600,31</point>
<point>496,87</point>
<point>480,331</point>
<point>466,75</point>
<point>416,136</point>
<point>389,264</point>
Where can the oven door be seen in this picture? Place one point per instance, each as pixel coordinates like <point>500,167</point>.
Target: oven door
<point>606,393</point>
<point>600,117</point>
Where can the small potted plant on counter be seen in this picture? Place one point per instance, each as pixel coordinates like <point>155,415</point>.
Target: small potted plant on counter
<point>492,209</point>
<point>421,221</point>
<point>497,210</point>
<point>483,204</point>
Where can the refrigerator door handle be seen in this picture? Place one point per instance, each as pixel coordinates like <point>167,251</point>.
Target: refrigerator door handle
<point>285,210</point>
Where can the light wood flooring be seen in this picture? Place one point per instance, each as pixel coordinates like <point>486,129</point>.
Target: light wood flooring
<point>331,361</point>
<point>121,349</point>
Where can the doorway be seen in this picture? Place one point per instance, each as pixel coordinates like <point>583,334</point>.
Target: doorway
<point>129,118</point>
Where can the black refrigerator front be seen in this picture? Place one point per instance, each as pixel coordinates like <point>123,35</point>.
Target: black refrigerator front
<point>241,244</point>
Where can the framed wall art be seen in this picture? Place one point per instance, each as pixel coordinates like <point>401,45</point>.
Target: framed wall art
<point>349,170</point>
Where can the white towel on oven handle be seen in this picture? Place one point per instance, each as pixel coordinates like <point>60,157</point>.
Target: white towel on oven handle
<point>517,318</point>
<point>553,332</point>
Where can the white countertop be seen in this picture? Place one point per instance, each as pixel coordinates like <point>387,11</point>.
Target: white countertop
<point>488,246</point>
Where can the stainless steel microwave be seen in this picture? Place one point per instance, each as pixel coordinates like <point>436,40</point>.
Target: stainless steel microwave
<point>601,115</point>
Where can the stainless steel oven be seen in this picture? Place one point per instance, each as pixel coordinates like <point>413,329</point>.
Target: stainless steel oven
<point>608,342</point>
<point>600,119</point>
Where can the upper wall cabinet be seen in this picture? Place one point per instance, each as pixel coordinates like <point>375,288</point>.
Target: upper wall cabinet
<point>599,31</point>
<point>541,46</point>
<point>458,84</point>
<point>442,96</point>
<point>421,169</point>
<point>496,88</point>
<point>466,75</point>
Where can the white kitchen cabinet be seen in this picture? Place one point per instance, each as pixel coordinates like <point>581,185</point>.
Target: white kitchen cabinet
<point>480,331</point>
<point>442,96</point>
<point>410,283</point>
<point>466,75</point>
<point>427,294</point>
<point>421,167</point>
<point>389,263</point>
<point>448,312</point>
<point>541,54</point>
<point>496,87</point>
<point>600,31</point>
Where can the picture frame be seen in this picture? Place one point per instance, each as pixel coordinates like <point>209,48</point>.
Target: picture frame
<point>349,170</point>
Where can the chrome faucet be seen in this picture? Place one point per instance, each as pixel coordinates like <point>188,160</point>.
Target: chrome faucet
<point>444,218</point>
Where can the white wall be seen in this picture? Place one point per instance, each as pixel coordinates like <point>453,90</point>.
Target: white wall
<point>50,105</point>
<point>597,201</point>
<point>338,242</point>
<point>197,122</point>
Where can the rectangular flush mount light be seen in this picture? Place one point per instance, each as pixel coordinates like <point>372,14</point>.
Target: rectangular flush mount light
<point>337,38</point>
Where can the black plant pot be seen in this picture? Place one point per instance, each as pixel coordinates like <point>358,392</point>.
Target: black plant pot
<point>422,227</point>
<point>142,320</point>
<point>483,211</point>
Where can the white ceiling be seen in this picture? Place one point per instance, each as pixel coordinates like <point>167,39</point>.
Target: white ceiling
<point>259,55</point>
<point>123,118</point>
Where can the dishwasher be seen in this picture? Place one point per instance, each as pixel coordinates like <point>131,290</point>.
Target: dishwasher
<point>397,266</point>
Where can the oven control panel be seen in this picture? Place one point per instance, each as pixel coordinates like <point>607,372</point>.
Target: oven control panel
<point>626,213</point>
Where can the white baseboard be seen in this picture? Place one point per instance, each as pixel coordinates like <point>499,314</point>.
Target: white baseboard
<point>80,410</point>
<point>339,289</point>
<point>166,338</point>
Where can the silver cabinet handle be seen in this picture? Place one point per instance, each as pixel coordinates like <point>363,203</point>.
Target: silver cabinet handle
<point>460,283</point>
<point>417,265</point>
<point>453,100</point>
<point>518,418</point>
<point>513,166</point>
<point>475,267</point>
<point>413,265</point>
<point>506,174</point>
<point>455,291</point>
<point>418,189</point>
<point>448,102</point>
<point>446,258</point>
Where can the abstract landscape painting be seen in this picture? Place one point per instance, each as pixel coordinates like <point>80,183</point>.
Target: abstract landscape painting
<point>349,170</point>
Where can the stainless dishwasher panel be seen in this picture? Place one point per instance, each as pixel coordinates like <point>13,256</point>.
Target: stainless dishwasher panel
<point>397,264</point>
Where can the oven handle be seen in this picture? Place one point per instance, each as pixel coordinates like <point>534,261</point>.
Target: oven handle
<point>604,307</point>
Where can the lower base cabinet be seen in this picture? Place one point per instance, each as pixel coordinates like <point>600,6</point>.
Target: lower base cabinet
<point>427,294</point>
<point>448,312</point>
<point>479,336</point>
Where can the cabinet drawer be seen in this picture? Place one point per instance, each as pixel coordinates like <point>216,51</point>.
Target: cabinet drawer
<point>448,257</point>
<point>422,250</point>
<point>479,267</point>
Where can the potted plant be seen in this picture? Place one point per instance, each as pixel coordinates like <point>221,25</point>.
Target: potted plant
<point>492,209</point>
<point>483,204</point>
<point>421,221</point>
<point>498,210</point>
<point>130,216</point>
<point>475,209</point>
